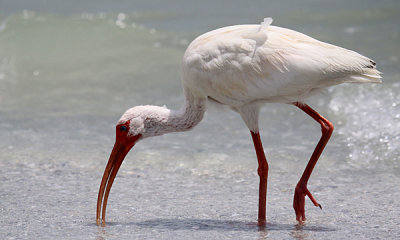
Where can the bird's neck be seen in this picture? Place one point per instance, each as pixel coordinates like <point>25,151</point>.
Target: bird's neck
<point>191,114</point>
<point>182,120</point>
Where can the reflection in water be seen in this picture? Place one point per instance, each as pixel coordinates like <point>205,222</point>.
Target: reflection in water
<point>101,233</point>
<point>198,224</point>
<point>298,232</point>
<point>262,234</point>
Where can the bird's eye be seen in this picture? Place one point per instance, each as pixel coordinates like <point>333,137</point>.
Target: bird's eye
<point>123,128</point>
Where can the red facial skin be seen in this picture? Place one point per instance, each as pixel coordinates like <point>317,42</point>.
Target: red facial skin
<point>123,143</point>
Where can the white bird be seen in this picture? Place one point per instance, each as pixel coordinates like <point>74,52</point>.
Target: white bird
<point>243,67</point>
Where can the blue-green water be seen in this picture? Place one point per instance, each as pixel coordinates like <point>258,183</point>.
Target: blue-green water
<point>69,69</point>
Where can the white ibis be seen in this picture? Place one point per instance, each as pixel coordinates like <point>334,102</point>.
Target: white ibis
<point>243,67</point>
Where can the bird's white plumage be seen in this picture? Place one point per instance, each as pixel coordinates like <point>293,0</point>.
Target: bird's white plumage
<point>151,121</point>
<point>243,66</point>
<point>231,66</point>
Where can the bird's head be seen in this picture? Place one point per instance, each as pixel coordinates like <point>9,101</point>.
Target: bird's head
<point>135,124</point>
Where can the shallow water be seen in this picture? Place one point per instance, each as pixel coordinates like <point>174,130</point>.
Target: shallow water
<point>68,71</point>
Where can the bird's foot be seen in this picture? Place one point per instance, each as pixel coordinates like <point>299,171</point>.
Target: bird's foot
<point>299,201</point>
<point>261,222</point>
<point>101,222</point>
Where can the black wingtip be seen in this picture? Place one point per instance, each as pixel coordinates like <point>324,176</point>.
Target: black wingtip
<point>373,64</point>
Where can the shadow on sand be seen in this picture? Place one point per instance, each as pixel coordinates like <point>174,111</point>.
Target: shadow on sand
<point>219,225</point>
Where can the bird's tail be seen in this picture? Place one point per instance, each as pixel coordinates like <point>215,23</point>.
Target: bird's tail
<point>368,74</point>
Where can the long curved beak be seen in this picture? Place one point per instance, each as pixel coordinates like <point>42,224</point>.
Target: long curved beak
<point>120,150</point>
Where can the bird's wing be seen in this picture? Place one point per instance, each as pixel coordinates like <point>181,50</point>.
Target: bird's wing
<point>292,66</point>
<point>291,51</point>
<point>239,64</point>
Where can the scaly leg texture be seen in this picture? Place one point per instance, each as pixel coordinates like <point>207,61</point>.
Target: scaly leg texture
<point>263,173</point>
<point>301,189</point>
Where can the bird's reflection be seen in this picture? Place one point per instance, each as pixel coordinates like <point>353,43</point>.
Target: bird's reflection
<point>101,233</point>
<point>297,231</point>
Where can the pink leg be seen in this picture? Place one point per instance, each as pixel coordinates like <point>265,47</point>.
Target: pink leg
<point>301,189</point>
<point>263,173</point>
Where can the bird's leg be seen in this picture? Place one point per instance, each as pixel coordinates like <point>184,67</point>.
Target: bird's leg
<point>263,173</point>
<point>301,189</point>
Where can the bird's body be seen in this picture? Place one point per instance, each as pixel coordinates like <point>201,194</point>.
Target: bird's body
<point>243,67</point>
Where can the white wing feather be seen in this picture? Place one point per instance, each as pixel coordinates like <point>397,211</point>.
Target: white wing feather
<point>240,64</point>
